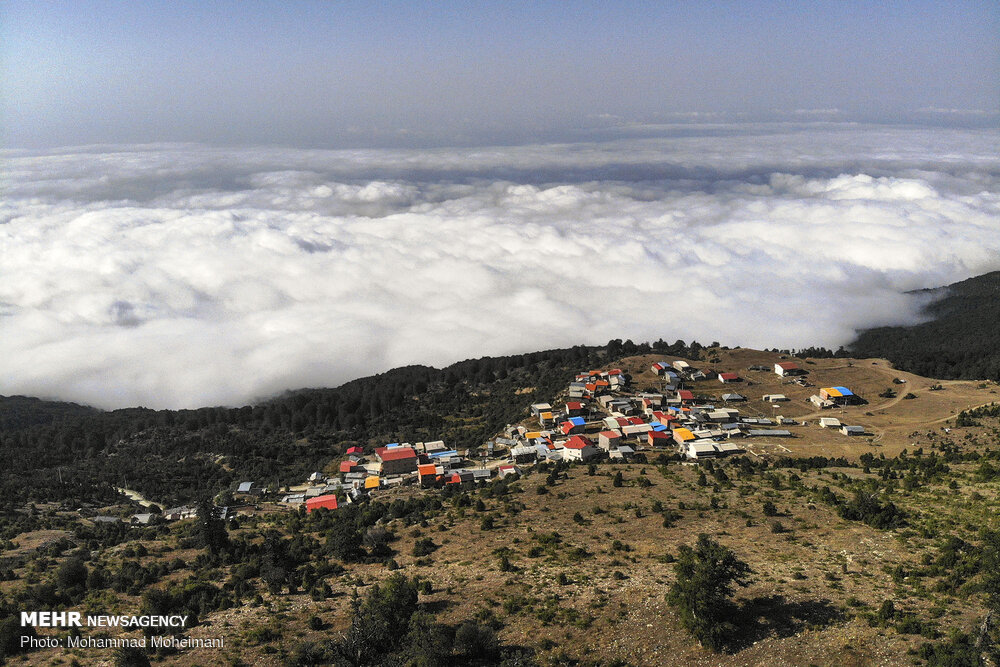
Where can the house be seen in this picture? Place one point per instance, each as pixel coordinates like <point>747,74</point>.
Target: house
<point>829,422</point>
<point>726,378</point>
<point>428,473</point>
<point>622,406</point>
<point>820,402</point>
<point>685,396</point>
<point>723,416</point>
<point>728,448</point>
<point>506,470</point>
<point>539,408</point>
<point>838,395</point>
<point>349,466</point>
<point>636,429</point>
<point>432,447</point>
<point>609,439</point>
<point>355,451</point>
<point>575,409</point>
<point>372,482</point>
<point>523,454</point>
<point>682,435</point>
<point>700,449</point>
<point>355,479</point>
<point>546,419</point>
<point>733,398</point>
<point>852,430</point>
<point>663,418</point>
<point>293,498</point>
<point>612,423</point>
<point>681,366</point>
<point>579,448</point>
<point>396,460</point>
<point>179,513</point>
<point>316,477</point>
<point>786,368</point>
<point>660,368</point>
<point>732,430</point>
<point>459,476</point>
<point>769,432</point>
<point>245,487</point>
<point>774,398</point>
<point>328,502</point>
<point>143,519</point>
<point>652,400</point>
<point>659,439</point>
<point>572,425</point>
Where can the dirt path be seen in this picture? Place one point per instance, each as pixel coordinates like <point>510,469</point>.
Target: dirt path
<point>136,496</point>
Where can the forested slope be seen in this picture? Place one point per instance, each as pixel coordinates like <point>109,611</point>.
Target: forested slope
<point>960,341</point>
<point>56,451</point>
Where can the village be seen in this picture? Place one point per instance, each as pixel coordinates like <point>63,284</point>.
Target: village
<point>602,415</point>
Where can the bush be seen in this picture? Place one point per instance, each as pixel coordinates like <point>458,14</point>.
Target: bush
<point>424,547</point>
<point>770,509</point>
<point>702,592</point>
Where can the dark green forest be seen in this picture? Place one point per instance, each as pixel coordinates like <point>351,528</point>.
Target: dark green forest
<point>69,453</point>
<point>960,340</point>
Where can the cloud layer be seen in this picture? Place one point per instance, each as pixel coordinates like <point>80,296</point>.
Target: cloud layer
<point>184,275</point>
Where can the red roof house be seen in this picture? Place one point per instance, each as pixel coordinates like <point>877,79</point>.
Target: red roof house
<point>659,438</point>
<point>579,448</point>
<point>396,460</point>
<point>569,427</point>
<point>321,502</point>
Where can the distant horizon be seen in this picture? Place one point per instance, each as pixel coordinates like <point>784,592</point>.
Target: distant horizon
<point>581,135</point>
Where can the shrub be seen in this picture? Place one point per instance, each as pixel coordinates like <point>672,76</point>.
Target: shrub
<point>702,592</point>
<point>424,547</point>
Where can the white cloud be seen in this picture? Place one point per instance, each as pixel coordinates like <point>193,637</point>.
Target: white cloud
<point>183,275</point>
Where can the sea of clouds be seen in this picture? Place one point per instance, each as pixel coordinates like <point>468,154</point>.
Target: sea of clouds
<point>184,275</point>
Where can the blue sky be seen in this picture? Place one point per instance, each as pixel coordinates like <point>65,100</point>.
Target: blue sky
<point>408,73</point>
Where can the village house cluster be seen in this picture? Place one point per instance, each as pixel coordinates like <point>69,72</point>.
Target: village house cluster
<point>600,417</point>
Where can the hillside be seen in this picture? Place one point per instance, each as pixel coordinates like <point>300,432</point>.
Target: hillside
<point>961,338</point>
<point>58,451</point>
<point>862,550</point>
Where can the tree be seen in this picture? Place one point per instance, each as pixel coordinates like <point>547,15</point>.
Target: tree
<point>702,592</point>
<point>211,528</point>
<point>71,577</point>
<point>380,622</point>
